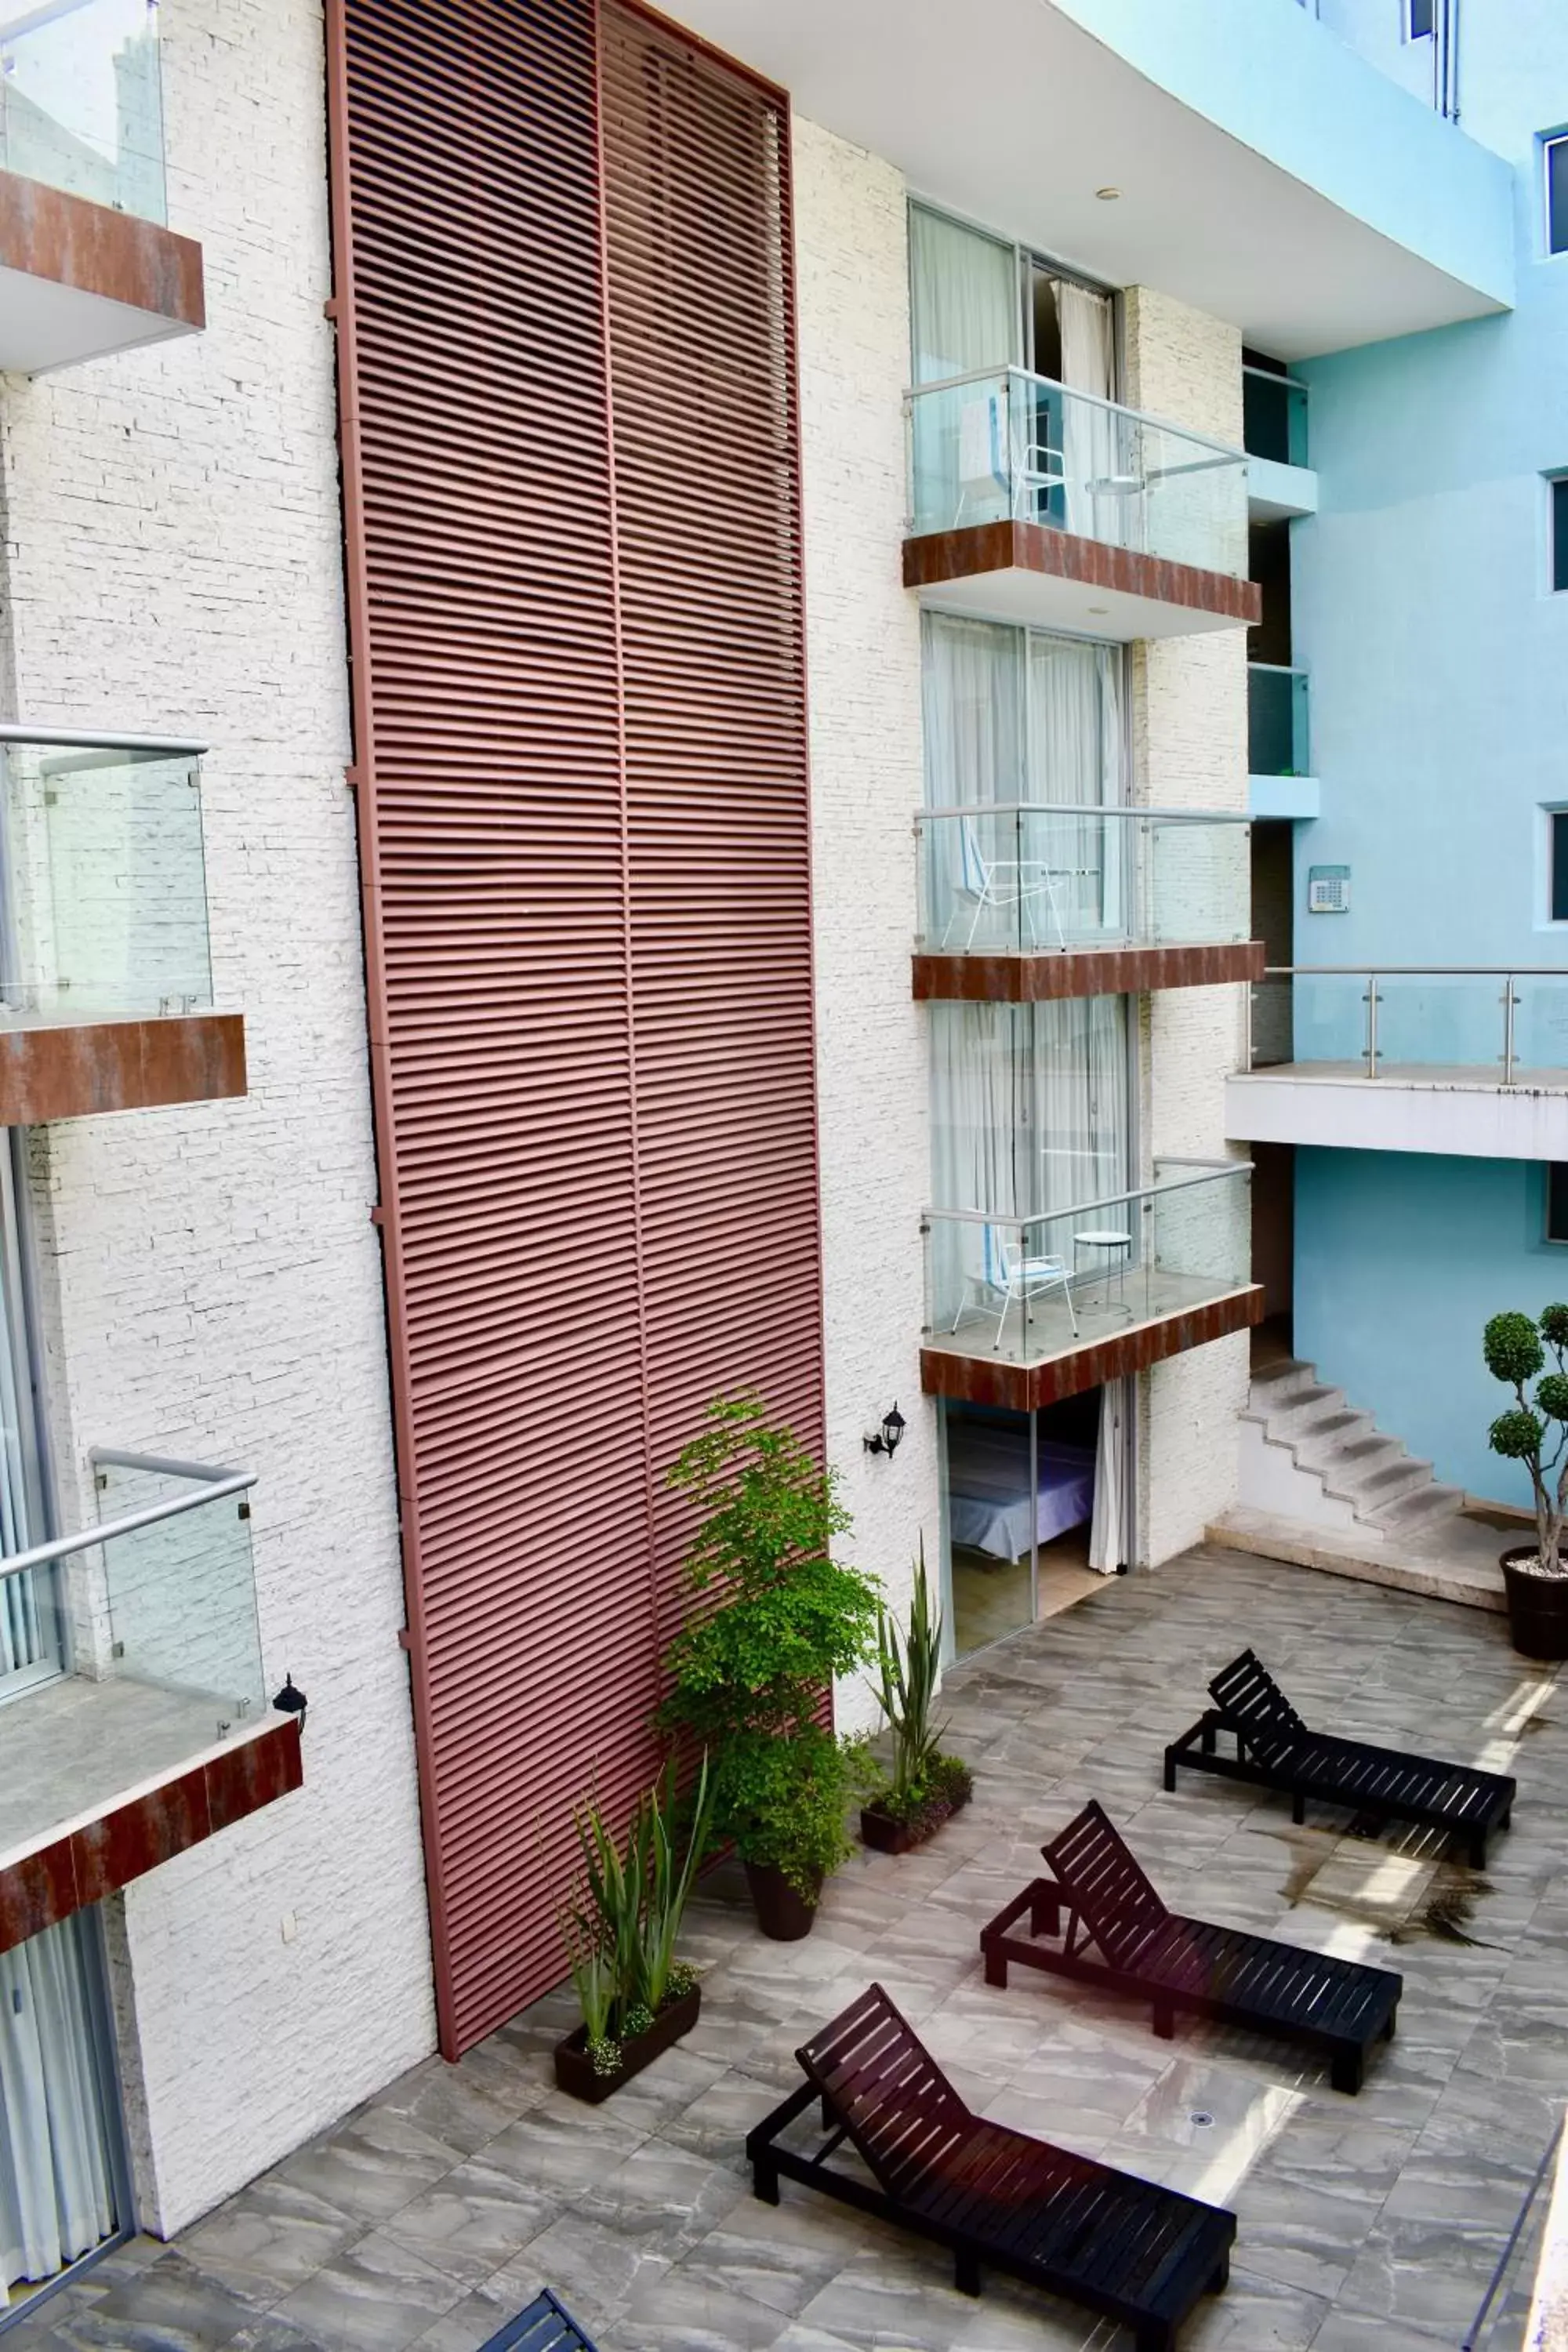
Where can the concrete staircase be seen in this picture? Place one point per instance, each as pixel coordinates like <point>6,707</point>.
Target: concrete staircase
<point>1309,1455</point>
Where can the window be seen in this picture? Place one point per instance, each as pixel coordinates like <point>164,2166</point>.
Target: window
<point>1557,819</point>
<point>1557,1201</point>
<point>1556,152</point>
<point>1421,16</point>
<point>1559,488</point>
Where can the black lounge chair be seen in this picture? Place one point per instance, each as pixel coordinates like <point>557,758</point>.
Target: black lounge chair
<point>1118,2245</point>
<point>1119,1933</point>
<point>544,2327</point>
<point>1275,1749</point>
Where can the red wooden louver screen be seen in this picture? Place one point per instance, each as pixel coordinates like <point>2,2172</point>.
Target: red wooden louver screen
<point>567,390</point>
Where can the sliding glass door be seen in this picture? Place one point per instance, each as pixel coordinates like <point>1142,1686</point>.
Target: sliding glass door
<point>1015,717</point>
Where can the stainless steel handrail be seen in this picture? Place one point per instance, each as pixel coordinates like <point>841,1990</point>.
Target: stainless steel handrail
<point>1216,1171</point>
<point>212,1482</point>
<point>1420,971</point>
<point>1088,808</point>
<point>913,391</point>
<point>78,739</point>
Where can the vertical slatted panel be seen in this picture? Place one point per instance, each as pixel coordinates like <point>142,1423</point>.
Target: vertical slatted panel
<point>703,342</point>
<point>580,732</point>
<point>492,812</point>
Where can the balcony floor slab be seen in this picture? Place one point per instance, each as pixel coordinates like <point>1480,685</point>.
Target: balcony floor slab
<point>72,1750</point>
<point>1172,1313</point>
<point>1463,1110</point>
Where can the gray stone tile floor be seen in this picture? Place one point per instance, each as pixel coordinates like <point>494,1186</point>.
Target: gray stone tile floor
<point>1370,2224</point>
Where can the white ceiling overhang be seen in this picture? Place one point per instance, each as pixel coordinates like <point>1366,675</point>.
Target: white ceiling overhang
<point>1269,176</point>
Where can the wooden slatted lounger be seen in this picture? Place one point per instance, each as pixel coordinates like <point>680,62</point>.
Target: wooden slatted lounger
<point>544,2327</point>
<point>1119,2246</point>
<point>1119,1934</point>
<point>1274,1748</point>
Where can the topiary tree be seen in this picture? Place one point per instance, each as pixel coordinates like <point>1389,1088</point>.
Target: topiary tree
<point>1534,1431</point>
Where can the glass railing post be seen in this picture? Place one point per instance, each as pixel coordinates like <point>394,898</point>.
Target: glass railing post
<point>1509,1005</point>
<point>1369,1051</point>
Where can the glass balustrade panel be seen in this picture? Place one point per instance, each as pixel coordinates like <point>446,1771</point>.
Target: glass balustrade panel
<point>81,101</point>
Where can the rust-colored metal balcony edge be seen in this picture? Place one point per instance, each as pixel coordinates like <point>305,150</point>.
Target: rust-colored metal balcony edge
<point>112,257</point>
<point>986,1379</point>
<point>1043,975</point>
<point>97,1859</point>
<point>980,547</point>
<point>82,1069</point>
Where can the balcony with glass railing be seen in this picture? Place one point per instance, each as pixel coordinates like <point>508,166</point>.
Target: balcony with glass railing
<point>1031,501</point>
<point>1280,482</point>
<point>1089,1291</point>
<point>1470,1059</point>
<point>1165,891</point>
<point>82,200</point>
<point>1279,742</point>
<point>133,1711</point>
<point>105,985</point>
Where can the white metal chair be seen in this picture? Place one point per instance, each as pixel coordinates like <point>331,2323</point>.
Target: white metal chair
<point>1007,886</point>
<point>1010,1273</point>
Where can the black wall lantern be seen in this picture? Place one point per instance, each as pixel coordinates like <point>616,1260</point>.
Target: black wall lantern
<point>887,1438</point>
<point>290,1700</point>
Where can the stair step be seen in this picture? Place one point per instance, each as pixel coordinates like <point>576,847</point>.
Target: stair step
<point>1336,1442</point>
<point>1388,1482</point>
<point>1425,1507</point>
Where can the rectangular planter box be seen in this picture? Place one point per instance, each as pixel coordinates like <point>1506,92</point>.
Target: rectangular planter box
<point>573,2069</point>
<point>884,1836</point>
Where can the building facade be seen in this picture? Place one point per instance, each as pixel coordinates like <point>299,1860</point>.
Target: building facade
<point>1421,606</point>
<point>625,709</point>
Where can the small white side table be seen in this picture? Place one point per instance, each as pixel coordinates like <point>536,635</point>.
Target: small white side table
<point>1118,1248</point>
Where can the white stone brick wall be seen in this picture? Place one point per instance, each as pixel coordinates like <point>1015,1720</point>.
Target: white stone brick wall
<point>863,650</point>
<point>1189,750</point>
<point>211,1282</point>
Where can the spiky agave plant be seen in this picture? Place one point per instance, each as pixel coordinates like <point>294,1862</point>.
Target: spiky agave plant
<point>666,1882</point>
<point>907,1671</point>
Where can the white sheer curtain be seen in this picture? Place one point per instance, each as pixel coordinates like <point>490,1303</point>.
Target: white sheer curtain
<point>57,2195</point>
<point>1107,1527</point>
<point>964,297</point>
<point>1029,1118</point>
<point>1075,757</point>
<point>1093,437</point>
<point>965,314</point>
<point>27,1634</point>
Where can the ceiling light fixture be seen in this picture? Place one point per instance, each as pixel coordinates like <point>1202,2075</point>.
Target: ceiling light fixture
<point>1107,195</point>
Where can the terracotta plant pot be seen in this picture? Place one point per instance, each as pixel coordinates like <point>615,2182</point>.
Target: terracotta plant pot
<point>782,1913</point>
<point>883,1834</point>
<point>575,2068</point>
<point>1537,1606</point>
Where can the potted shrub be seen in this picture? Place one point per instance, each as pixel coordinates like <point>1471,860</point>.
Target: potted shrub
<point>775,1620</point>
<point>620,1930</point>
<point>925,1787</point>
<point>1534,1431</point>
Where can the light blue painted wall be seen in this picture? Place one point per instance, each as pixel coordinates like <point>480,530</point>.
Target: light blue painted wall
<point>1439,676</point>
<point>1400,1259</point>
<point>1439,656</point>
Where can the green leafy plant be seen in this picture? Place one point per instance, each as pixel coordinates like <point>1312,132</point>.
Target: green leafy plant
<point>1534,1429</point>
<point>621,1925</point>
<point>774,1620</point>
<point>925,1785</point>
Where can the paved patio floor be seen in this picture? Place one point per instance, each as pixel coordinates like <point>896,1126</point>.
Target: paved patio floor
<point>1370,2224</point>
